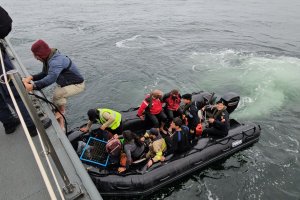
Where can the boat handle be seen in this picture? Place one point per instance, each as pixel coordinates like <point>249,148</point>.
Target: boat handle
<point>165,178</point>
<point>122,188</point>
<point>224,150</point>
<point>251,136</point>
<point>197,163</point>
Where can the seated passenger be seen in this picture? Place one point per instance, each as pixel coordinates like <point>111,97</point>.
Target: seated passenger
<point>178,135</point>
<point>218,122</point>
<point>151,107</point>
<point>190,112</point>
<point>133,148</point>
<point>172,100</point>
<point>156,148</point>
<point>111,120</point>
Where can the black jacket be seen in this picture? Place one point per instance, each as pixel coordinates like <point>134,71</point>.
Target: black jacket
<point>5,23</point>
<point>180,142</point>
<point>191,112</point>
<point>218,124</point>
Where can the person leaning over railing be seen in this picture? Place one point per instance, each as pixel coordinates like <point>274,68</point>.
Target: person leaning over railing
<point>56,68</point>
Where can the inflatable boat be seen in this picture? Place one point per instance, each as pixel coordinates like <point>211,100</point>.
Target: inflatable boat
<point>141,182</point>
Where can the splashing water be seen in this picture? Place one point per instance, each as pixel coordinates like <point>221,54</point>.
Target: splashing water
<point>265,83</point>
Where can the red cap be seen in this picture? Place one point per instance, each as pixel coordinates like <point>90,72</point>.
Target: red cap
<point>41,49</point>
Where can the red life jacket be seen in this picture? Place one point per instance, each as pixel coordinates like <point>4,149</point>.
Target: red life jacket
<point>173,103</point>
<point>154,106</point>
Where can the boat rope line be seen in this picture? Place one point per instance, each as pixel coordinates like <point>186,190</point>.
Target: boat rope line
<point>30,141</point>
<point>222,140</point>
<point>55,107</point>
<point>51,168</point>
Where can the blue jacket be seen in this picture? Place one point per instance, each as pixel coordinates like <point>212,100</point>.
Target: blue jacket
<point>60,69</point>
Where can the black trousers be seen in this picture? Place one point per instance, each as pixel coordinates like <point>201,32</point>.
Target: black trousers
<point>155,118</point>
<point>172,113</point>
<point>118,130</point>
<point>6,115</point>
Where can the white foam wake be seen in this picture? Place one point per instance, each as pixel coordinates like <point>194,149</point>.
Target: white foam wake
<point>264,82</point>
<point>142,41</point>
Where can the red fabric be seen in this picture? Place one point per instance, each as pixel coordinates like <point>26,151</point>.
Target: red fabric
<point>173,104</point>
<point>114,147</point>
<point>41,49</point>
<point>154,110</point>
<point>123,159</point>
<point>199,129</point>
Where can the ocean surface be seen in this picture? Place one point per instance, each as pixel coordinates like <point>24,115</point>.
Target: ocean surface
<point>127,48</point>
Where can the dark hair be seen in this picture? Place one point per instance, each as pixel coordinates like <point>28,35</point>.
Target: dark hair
<point>153,131</point>
<point>129,135</point>
<point>220,101</point>
<point>92,113</point>
<point>177,121</point>
<point>187,96</point>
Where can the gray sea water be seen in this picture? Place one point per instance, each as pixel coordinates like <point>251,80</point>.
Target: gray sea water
<point>127,48</point>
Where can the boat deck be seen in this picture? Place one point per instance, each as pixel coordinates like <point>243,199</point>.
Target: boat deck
<point>19,174</point>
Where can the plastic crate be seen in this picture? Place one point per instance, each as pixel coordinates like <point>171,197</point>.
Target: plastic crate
<point>95,152</point>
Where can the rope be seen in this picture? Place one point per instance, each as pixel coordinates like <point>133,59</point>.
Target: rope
<point>56,109</point>
<point>33,148</point>
<point>51,168</point>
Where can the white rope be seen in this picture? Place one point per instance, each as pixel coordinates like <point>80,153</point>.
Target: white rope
<point>51,168</point>
<point>33,148</point>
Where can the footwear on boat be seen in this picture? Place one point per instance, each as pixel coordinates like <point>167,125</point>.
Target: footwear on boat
<point>12,126</point>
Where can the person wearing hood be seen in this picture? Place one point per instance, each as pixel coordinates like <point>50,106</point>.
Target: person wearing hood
<point>56,68</point>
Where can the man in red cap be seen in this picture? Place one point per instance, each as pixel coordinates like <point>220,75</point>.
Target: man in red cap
<point>56,68</point>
